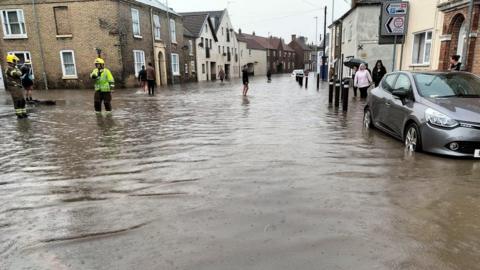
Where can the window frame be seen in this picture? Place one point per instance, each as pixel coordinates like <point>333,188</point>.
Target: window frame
<point>21,20</point>
<point>175,72</point>
<point>426,41</point>
<point>132,11</point>
<point>173,31</point>
<point>135,62</point>
<point>64,75</point>
<point>157,27</point>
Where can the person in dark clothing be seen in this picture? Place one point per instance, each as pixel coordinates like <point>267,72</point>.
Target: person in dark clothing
<point>455,64</point>
<point>269,76</point>
<point>378,72</point>
<point>14,86</point>
<point>27,79</point>
<point>142,79</point>
<point>245,80</point>
<point>151,79</point>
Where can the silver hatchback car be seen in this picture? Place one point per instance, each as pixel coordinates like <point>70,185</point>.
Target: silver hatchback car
<point>437,112</point>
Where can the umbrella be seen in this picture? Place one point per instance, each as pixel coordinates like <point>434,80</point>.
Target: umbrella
<point>354,63</point>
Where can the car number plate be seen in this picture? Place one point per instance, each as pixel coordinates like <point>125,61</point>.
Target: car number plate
<point>477,153</point>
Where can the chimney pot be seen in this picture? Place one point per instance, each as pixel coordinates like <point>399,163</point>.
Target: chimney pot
<point>294,37</point>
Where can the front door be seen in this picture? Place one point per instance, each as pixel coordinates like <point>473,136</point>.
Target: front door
<point>2,83</point>
<point>227,71</point>
<point>213,71</point>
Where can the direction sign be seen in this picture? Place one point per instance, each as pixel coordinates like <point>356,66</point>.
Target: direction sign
<point>397,9</point>
<point>394,18</point>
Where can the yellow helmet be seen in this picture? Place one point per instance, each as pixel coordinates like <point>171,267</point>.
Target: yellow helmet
<point>99,61</point>
<point>12,59</point>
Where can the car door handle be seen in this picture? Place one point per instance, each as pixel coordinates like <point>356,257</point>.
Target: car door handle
<point>388,104</point>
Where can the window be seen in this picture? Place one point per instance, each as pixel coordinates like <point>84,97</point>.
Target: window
<point>350,32</point>
<point>23,56</point>
<point>62,21</point>
<point>249,52</point>
<point>222,31</point>
<point>139,60</point>
<point>175,64</point>
<point>186,68</point>
<point>206,28</point>
<point>13,24</point>
<point>157,26</point>
<point>173,30</point>
<point>422,44</point>
<point>403,83</point>
<point>190,47</point>
<point>68,64</point>
<point>219,49</point>
<point>203,68</point>
<point>136,23</point>
<point>192,66</point>
<point>201,42</point>
<point>211,44</point>
<point>388,81</point>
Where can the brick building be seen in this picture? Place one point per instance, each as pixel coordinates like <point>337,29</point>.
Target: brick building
<point>455,32</point>
<point>280,57</point>
<point>62,38</point>
<point>303,59</point>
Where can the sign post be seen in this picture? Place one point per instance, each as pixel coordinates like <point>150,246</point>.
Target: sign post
<point>394,23</point>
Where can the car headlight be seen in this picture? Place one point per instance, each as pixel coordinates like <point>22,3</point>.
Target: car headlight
<point>439,119</point>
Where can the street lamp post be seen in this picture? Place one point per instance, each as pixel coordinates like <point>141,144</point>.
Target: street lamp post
<point>316,45</point>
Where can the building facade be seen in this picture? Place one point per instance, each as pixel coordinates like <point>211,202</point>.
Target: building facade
<point>252,55</point>
<point>62,38</point>
<point>356,35</point>
<point>216,44</point>
<point>303,52</point>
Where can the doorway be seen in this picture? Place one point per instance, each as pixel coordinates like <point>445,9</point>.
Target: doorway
<point>213,71</point>
<point>227,71</point>
<point>462,39</point>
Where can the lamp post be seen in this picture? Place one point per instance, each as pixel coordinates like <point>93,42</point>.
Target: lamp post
<point>316,45</point>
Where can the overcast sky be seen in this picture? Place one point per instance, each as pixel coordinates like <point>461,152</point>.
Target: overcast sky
<point>278,17</point>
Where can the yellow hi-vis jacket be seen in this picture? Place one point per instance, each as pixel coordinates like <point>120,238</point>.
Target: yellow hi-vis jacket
<point>103,81</point>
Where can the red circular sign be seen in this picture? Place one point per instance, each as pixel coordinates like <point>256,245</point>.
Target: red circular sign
<point>398,22</point>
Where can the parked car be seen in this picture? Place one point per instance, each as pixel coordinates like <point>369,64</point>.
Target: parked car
<point>297,72</point>
<point>437,112</point>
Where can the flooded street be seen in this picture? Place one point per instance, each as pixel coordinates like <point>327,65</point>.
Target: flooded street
<point>199,177</point>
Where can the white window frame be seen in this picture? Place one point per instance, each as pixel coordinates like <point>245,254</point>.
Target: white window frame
<point>136,20</point>
<point>65,76</point>
<point>173,31</point>
<point>135,61</point>
<point>157,26</point>
<point>176,72</point>
<point>26,55</point>
<point>427,41</point>
<point>21,19</point>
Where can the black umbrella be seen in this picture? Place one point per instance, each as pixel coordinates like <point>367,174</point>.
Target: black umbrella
<point>354,63</point>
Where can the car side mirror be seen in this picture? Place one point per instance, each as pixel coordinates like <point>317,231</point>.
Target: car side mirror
<point>402,94</point>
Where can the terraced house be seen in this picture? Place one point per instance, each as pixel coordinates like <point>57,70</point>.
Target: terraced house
<point>62,39</point>
<point>216,44</point>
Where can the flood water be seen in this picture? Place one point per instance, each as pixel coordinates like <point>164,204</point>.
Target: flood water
<point>199,177</point>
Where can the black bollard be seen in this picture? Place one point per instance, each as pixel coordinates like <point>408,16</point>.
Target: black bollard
<point>306,81</point>
<point>337,93</point>
<point>331,86</point>
<point>345,88</point>
<point>300,80</point>
<point>318,81</point>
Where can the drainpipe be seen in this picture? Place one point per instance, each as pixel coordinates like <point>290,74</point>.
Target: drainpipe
<point>169,43</point>
<point>153,40</point>
<point>44,74</point>
<point>466,48</point>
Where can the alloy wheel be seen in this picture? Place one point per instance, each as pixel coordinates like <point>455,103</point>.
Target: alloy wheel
<point>411,140</point>
<point>367,119</point>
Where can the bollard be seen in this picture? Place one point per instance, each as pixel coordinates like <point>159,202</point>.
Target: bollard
<point>300,80</point>
<point>345,89</point>
<point>337,93</point>
<point>306,81</point>
<point>318,81</point>
<point>331,86</point>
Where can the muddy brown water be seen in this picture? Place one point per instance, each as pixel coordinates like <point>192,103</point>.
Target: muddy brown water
<point>199,177</point>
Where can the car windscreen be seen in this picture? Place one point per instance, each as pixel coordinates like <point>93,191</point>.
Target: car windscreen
<point>447,85</point>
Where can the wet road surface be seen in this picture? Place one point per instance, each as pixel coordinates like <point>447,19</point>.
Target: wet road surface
<point>199,177</point>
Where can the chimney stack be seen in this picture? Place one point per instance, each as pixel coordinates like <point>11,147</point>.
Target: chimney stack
<point>253,34</point>
<point>240,31</point>
<point>294,37</point>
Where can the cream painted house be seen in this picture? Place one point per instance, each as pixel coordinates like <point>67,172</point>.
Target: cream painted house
<point>421,50</point>
<point>253,55</point>
<point>216,44</point>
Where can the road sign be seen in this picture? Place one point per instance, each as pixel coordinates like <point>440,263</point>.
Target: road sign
<point>394,18</point>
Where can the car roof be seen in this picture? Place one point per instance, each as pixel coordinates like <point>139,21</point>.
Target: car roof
<point>429,72</point>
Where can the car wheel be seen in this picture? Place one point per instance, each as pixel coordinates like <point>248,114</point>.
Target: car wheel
<point>367,119</point>
<point>413,140</point>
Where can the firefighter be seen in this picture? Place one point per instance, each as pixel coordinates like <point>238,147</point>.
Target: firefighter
<point>104,83</point>
<point>14,86</point>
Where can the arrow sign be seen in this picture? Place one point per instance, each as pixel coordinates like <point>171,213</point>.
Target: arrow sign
<point>396,25</point>
<point>397,9</point>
